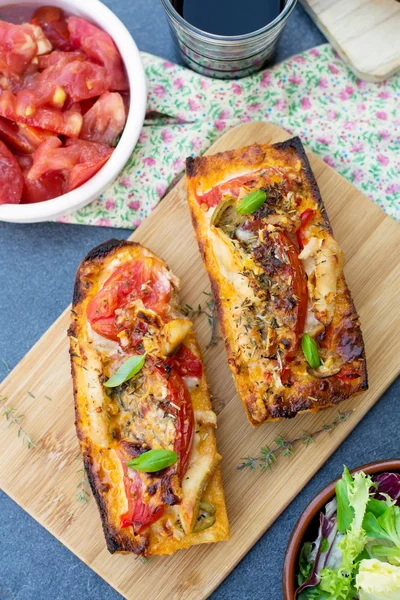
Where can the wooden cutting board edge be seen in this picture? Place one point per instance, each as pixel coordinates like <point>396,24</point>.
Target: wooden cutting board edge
<point>366,76</point>
<point>341,434</point>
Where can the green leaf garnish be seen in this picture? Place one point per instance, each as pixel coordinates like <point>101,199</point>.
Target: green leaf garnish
<point>153,460</point>
<point>252,202</point>
<point>310,349</point>
<point>129,369</point>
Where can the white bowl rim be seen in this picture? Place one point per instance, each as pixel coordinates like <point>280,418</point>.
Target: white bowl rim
<point>102,16</point>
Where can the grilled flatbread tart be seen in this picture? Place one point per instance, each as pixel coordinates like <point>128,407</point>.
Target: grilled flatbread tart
<point>140,387</point>
<point>291,331</point>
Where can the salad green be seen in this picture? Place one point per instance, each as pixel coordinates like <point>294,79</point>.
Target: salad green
<point>357,552</point>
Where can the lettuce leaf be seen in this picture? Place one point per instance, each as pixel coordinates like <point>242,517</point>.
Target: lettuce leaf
<point>339,583</point>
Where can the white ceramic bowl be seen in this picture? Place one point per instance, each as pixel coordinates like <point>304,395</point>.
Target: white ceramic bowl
<point>96,12</point>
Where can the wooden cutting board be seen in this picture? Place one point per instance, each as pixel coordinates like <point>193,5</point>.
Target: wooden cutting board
<point>366,33</point>
<point>44,479</point>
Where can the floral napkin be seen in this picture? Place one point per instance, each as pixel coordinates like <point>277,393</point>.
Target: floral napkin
<point>353,125</point>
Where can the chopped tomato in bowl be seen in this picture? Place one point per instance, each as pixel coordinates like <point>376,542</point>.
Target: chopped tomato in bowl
<point>72,104</point>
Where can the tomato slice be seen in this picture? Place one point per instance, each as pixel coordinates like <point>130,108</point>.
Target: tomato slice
<point>100,47</point>
<point>17,108</point>
<point>54,25</point>
<point>299,279</point>
<point>17,48</point>
<point>306,216</point>
<point>348,373</point>
<point>184,419</point>
<point>143,513</point>
<point>11,178</point>
<point>137,279</point>
<point>105,120</point>
<point>22,138</point>
<point>140,514</point>
<point>186,363</point>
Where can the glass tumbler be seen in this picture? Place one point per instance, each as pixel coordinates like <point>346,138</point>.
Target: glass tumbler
<point>221,56</point>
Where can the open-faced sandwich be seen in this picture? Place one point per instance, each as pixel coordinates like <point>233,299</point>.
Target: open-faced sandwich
<point>290,327</point>
<point>143,410</point>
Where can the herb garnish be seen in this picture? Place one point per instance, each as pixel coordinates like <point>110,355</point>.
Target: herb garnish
<point>127,370</point>
<point>310,349</point>
<point>252,202</point>
<point>14,419</point>
<point>268,456</point>
<point>209,311</point>
<point>153,461</point>
<point>82,495</point>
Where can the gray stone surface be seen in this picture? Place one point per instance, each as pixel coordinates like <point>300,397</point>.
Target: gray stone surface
<point>37,265</point>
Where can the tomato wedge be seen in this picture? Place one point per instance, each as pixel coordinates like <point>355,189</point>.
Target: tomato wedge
<point>105,120</point>
<point>92,157</point>
<point>138,279</point>
<point>17,48</point>
<point>79,79</point>
<point>78,160</point>
<point>22,138</point>
<point>54,25</point>
<point>11,179</point>
<point>16,108</point>
<point>100,47</point>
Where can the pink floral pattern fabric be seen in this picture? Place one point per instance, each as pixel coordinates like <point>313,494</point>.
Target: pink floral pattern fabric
<point>353,125</point>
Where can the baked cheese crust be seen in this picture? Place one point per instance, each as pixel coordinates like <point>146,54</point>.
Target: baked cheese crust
<point>115,425</point>
<point>276,274</point>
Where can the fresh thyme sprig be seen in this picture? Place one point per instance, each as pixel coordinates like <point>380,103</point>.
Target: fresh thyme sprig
<point>13,418</point>
<point>209,311</point>
<point>268,456</point>
<point>82,495</point>
<point>7,366</point>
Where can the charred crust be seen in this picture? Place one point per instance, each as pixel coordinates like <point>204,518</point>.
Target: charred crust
<point>116,542</point>
<point>96,254</point>
<point>104,249</point>
<point>191,166</point>
<point>295,145</point>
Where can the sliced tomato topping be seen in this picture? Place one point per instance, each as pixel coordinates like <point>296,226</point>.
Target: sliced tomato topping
<point>11,179</point>
<point>348,373</point>
<point>99,46</point>
<point>186,363</point>
<point>105,120</point>
<point>179,396</point>
<point>143,510</point>
<point>140,514</point>
<point>142,279</point>
<point>17,48</point>
<point>18,108</point>
<point>54,25</point>
<point>299,279</point>
<point>306,216</point>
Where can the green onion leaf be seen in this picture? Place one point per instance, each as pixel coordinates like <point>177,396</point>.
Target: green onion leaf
<point>310,349</point>
<point>129,369</point>
<point>153,460</point>
<point>252,202</point>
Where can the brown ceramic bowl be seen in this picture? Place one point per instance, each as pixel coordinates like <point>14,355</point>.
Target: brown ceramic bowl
<point>306,527</point>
